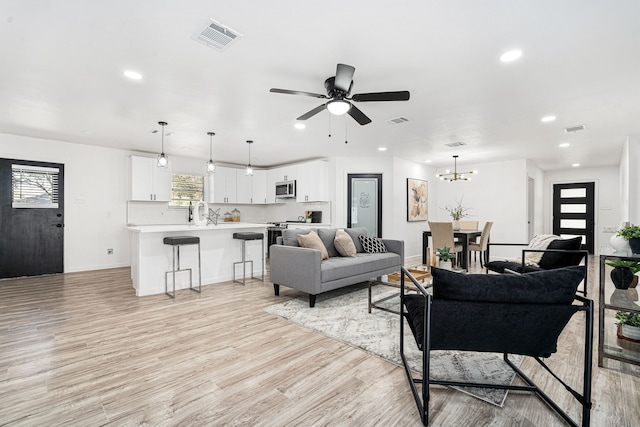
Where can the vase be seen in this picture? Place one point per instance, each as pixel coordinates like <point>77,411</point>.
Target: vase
<point>634,244</point>
<point>619,243</point>
<point>621,277</point>
<point>456,225</point>
<point>631,332</point>
<point>445,265</point>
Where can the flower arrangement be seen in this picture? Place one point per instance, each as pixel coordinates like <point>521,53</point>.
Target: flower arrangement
<point>457,212</point>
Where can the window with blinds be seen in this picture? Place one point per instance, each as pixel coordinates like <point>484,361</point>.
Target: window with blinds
<point>186,188</point>
<point>34,187</point>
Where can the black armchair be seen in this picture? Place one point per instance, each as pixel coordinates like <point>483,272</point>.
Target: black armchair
<point>560,253</point>
<point>509,314</point>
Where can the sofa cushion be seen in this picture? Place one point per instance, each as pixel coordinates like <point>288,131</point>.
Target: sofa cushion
<point>311,240</point>
<point>372,245</point>
<point>344,244</point>
<point>341,267</point>
<point>354,233</point>
<point>290,236</point>
<point>328,235</point>
<point>556,286</point>
<point>551,260</point>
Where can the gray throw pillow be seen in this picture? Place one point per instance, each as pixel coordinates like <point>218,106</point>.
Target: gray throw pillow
<point>328,235</point>
<point>355,232</point>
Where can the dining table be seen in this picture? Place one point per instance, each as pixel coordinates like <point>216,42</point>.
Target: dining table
<point>463,236</point>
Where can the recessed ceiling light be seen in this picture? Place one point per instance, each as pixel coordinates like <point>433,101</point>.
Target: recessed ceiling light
<point>575,165</point>
<point>512,55</point>
<point>547,119</point>
<point>564,145</point>
<point>428,161</point>
<point>133,75</point>
<point>299,126</point>
<point>382,148</point>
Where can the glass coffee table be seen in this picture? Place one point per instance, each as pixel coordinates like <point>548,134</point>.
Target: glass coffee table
<point>390,302</point>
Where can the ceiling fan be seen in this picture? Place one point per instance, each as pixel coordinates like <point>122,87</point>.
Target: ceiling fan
<point>338,91</point>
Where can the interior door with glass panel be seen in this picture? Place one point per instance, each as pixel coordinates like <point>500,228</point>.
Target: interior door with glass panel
<point>31,218</point>
<point>573,212</point>
<point>364,205</point>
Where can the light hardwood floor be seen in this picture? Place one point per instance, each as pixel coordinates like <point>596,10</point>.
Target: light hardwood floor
<point>82,349</point>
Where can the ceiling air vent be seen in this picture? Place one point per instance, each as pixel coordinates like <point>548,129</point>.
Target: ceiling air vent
<point>398,120</point>
<point>575,129</point>
<point>217,36</point>
<point>455,144</point>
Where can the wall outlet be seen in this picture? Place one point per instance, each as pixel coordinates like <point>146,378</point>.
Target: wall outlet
<point>109,251</point>
<point>609,229</point>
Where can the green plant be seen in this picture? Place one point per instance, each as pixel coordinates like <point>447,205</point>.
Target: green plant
<point>629,232</point>
<point>634,266</point>
<point>444,254</point>
<point>457,212</point>
<point>631,319</point>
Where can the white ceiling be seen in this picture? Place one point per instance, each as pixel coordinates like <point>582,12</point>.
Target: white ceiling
<point>62,63</point>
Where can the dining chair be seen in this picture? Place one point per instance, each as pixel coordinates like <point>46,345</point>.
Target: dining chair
<point>442,236</point>
<point>481,245</point>
<point>468,225</point>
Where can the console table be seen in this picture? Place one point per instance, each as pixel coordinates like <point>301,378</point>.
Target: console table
<point>612,300</point>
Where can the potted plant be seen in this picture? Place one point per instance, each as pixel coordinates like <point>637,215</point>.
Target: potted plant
<point>632,234</point>
<point>445,256</point>
<point>629,325</point>
<point>457,212</point>
<point>624,273</point>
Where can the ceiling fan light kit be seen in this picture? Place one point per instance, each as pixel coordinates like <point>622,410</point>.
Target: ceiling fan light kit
<point>338,91</point>
<point>163,159</point>
<point>455,175</point>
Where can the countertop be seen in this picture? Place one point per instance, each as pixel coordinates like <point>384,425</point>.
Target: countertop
<point>192,227</point>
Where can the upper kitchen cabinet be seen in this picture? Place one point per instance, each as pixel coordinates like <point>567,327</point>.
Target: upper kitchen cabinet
<point>259,193</point>
<point>312,182</point>
<point>224,185</point>
<point>285,173</point>
<point>244,186</point>
<point>148,181</point>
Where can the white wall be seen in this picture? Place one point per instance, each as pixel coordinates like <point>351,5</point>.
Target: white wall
<point>96,188</point>
<point>629,177</point>
<point>607,198</point>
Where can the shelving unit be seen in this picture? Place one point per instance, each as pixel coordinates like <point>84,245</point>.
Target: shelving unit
<point>612,300</point>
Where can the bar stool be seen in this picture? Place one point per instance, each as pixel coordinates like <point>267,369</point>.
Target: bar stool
<point>244,236</point>
<point>176,242</point>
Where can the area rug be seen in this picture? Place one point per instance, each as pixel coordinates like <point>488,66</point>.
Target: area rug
<point>343,315</point>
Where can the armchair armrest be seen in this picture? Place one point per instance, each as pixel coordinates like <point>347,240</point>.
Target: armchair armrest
<point>296,267</point>
<point>395,246</point>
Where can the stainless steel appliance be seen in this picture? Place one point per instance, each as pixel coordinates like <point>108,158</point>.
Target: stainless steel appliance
<point>273,232</point>
<point>285,189</point>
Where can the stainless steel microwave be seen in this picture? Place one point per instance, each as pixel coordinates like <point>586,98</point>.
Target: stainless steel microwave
<point>286,189</point>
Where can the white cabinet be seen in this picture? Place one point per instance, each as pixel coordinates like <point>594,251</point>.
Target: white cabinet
<point>148,181</point>
<point>285,173</point>
<point>224,185</point>
<point>259,193</point>
<point>272,178</point>
<point>312,183</point>
<point>244,186</point>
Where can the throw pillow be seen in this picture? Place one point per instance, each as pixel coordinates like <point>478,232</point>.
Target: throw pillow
<point>543,287</point>
<point>311,240</point>
<point>355,234</point>
<point>344,244</point>
<point>372,245</point>
<point>539,241</point>
<point>290,235</point>
<point>551,260</point>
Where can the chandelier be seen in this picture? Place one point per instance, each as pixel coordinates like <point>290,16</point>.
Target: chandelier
<point>455,175</point>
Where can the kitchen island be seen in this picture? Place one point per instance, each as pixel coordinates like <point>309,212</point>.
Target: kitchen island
<point>151,258</point>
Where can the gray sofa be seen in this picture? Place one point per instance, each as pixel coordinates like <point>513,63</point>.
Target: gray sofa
<point>303,269</point>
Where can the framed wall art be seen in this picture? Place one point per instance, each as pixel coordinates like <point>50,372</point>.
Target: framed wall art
<point>416,199</point>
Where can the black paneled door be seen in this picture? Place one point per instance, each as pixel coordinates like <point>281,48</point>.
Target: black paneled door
<point>31,218</point>
<point>573,212</point>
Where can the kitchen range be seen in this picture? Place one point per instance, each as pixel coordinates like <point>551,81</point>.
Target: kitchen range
<point>275,230</point>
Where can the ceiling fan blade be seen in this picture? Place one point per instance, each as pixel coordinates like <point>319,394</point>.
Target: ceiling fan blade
<point>297,92</point>
<point>381,96</point>
<point>344,77</point>
<point>358,115</point>
<point>312,112</point>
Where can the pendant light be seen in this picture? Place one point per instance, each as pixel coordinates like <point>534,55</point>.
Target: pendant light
<point>455,175</point>
<point>163,160</point>
<point>211,167</point>
<point>249,168</point>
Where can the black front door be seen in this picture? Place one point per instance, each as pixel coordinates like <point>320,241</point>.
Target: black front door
<point>574,213</point>
<point>31,218</point>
